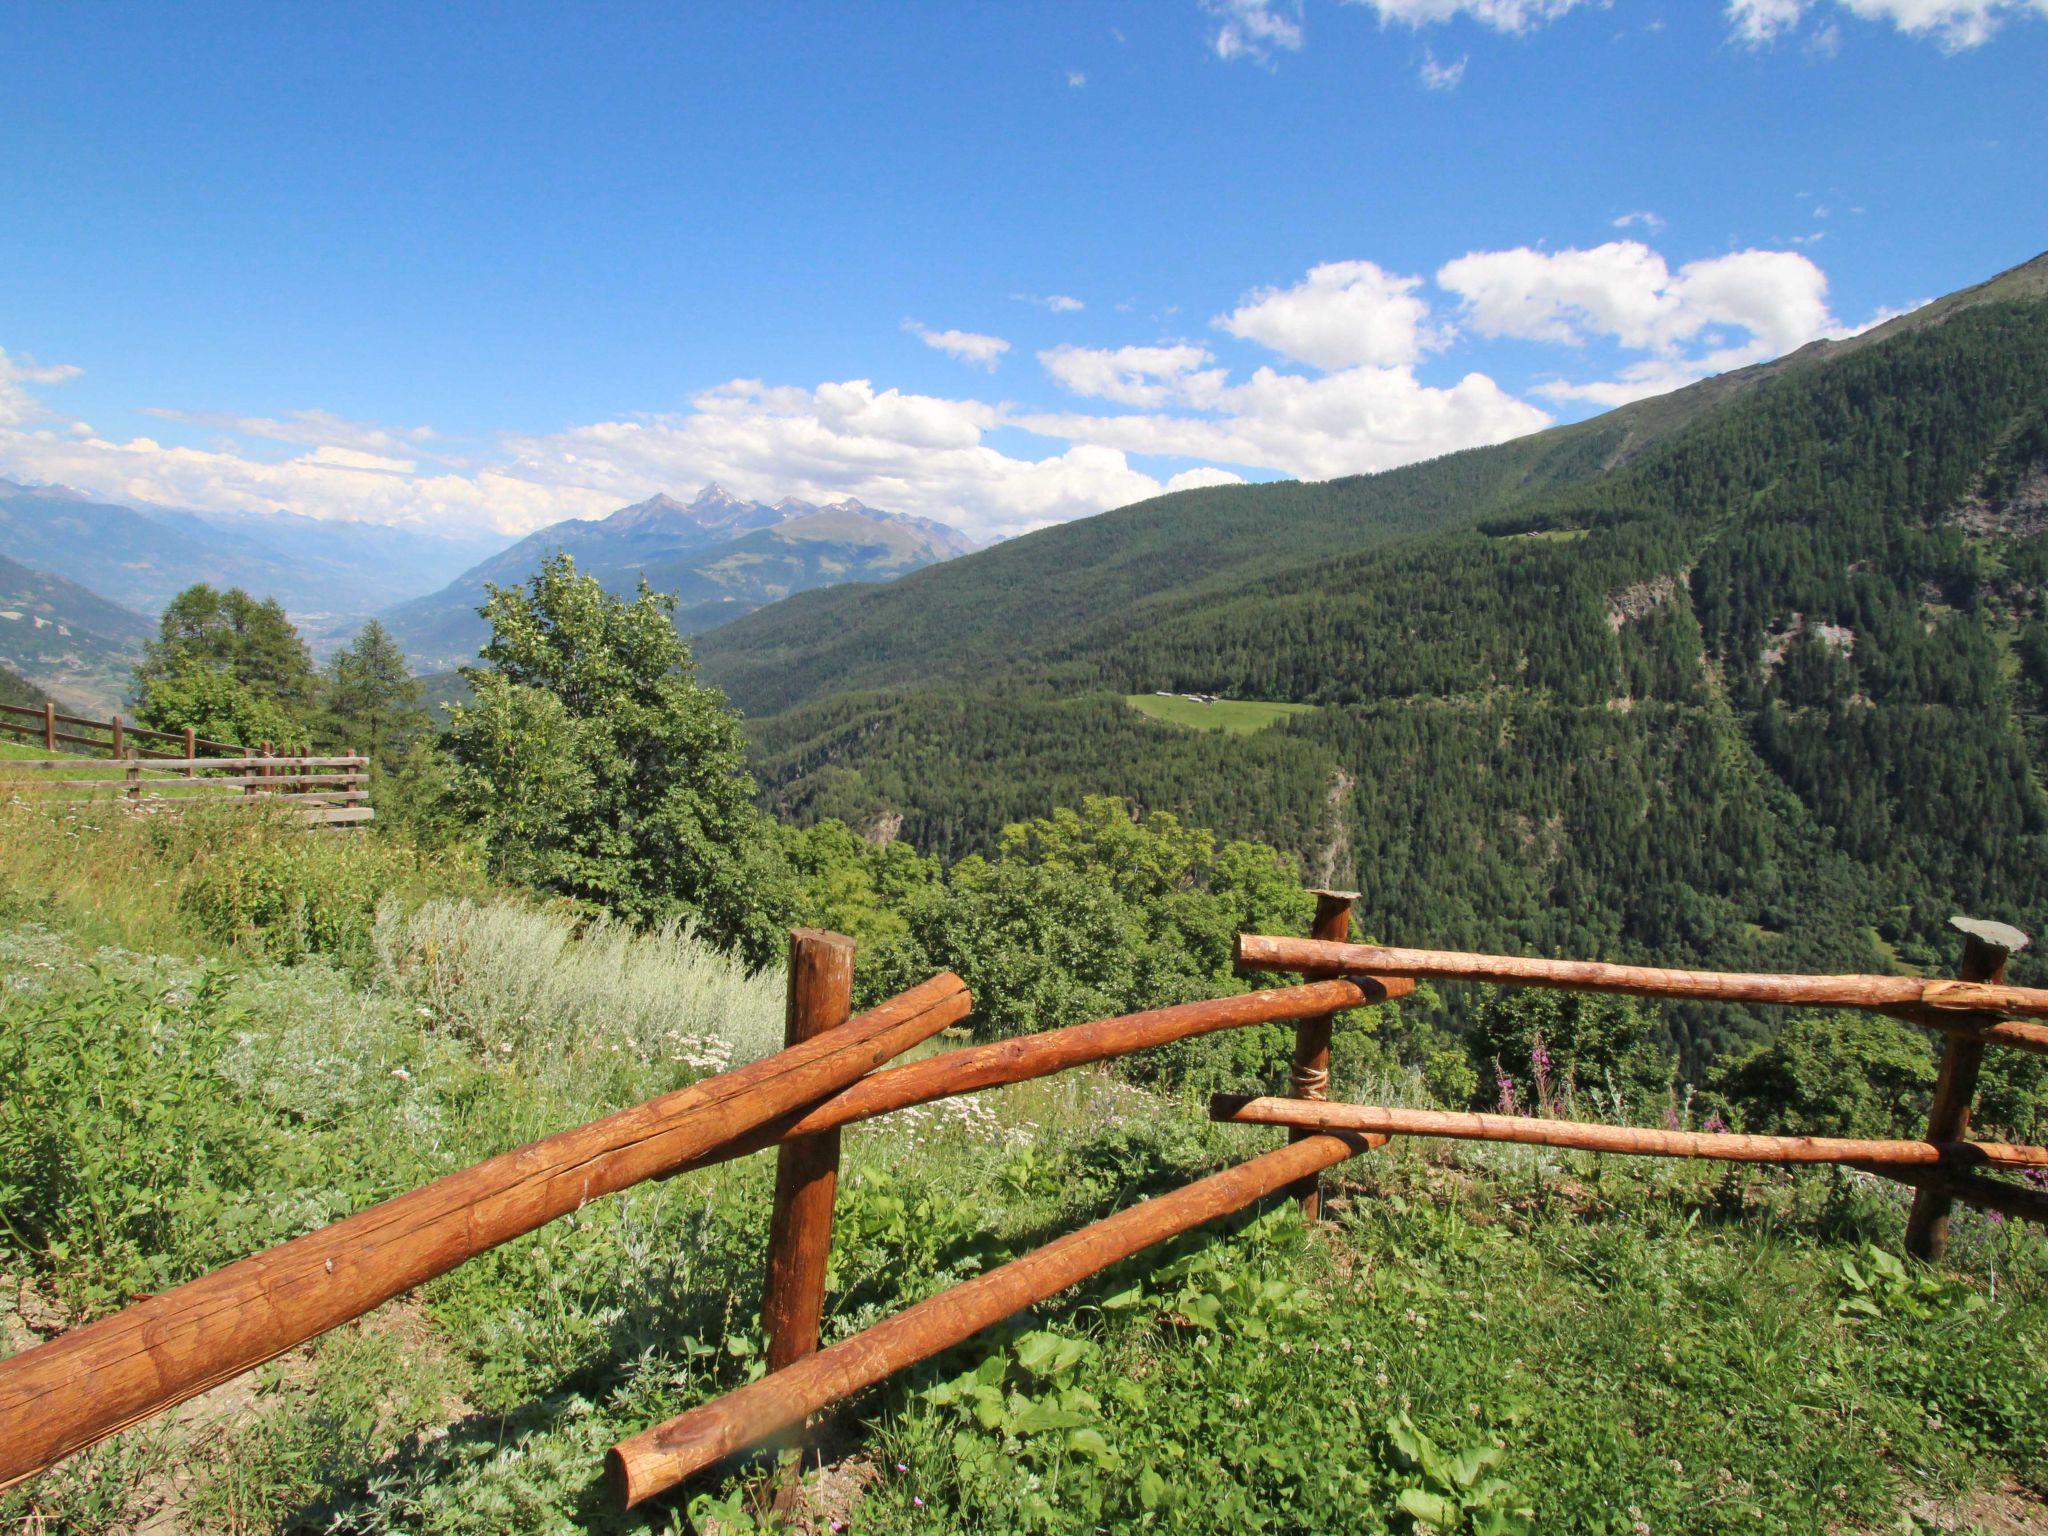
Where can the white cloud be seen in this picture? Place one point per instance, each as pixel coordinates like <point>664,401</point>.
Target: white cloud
<point>1953,24</point>
<point>1762,22</point>
<point>1354,421</point>
<point>1254,29</point>
<point>1058,303</point>
<point>1648,220</point>
<point>1513,16</point>
<point>1623,289</point>
<point>1625,292</point>
<point>1438,76</point>
<point>312,429</point>
<point>17,406</point>
<point>967,346</point>
<point>1145,376</point>
<point>1076,79</point>
<point>1343,314</point>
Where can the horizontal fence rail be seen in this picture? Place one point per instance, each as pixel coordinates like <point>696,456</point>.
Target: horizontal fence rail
<point>83,1386</point>
<point>663,1456</point>
<point>1939,1004</point>
<point>1525,1130</point>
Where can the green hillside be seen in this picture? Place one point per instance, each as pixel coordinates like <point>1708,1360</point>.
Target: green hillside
<point>1769,686</point>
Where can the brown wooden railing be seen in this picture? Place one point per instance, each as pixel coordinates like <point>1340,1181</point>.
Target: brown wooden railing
<point>112,737</point>
<point>148,775</point>
<point>67,1394</point>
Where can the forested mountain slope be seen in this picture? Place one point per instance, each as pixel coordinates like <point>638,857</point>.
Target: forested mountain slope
<point>1770,690</point>
<point>1039,598</point>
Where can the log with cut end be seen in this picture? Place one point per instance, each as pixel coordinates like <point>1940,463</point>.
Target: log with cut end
<point>64,1395</point>
<point>1965,1007</point>
<point>663,1456</point>
<point>1024,1057</point>
<point>1640,1141</point>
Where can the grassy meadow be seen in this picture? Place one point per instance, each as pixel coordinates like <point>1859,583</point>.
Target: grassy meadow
<point>216,1033</point>
<point>1238,717</point>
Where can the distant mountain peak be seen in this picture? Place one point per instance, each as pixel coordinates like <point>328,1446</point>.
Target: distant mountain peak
<point>716,495</point>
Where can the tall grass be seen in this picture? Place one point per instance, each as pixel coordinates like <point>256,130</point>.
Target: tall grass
<point>504,973</point>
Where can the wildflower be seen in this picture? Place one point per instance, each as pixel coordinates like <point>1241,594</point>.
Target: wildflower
<point>1539,1065</point>
<point>1715,1124</point>
<point>401,1074</point>
<point>1506,1085</point>
<point>902,1467</point>
<point>915,1500</point>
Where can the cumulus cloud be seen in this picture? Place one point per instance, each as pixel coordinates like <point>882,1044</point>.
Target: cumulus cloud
<point>18,407</point>
<point>1625,290</point>
<point>1342,314</point>
<point>1513,16</point>
<point>1146,376</point>
<point>1354,421</point>
<point>1254,30</point>
<point>967,346</point>
<point>1953,24</point>
<point>1439,76</point>
<point>1643,217</point>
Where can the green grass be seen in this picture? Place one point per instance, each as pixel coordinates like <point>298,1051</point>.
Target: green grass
<point>1240,717</point>
<point>1559,1343</point>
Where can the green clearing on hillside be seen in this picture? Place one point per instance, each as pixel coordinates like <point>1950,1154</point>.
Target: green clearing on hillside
<point>1240,717</point>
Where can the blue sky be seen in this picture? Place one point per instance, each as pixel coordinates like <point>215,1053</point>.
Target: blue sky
<point>465,266</point>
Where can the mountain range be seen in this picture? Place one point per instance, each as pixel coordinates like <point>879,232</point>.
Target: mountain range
<point>1753,674</point>
<point>721,555</point>
<point>326,572</point>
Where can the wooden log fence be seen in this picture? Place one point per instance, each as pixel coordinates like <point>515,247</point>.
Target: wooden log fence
<point>112,737</point>
<point>64,1395</point>
<point>324,790</point>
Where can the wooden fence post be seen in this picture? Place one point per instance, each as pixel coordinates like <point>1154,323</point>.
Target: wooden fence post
<point>1311,1075</point>
<point>135,775</point>
<point>191,751</point>
<point>115,726</point>
<point>807,1169</point>
<point>1986,947</point>
<point>49,726</point>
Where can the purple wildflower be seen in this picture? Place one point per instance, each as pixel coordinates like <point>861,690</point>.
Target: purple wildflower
<point>1539,1065</point>
<point>1715,1124</point>
<point>902,1467</point>
<point>1670,1117</point>
<point>1506,1085</point>
<point>914,1499</point>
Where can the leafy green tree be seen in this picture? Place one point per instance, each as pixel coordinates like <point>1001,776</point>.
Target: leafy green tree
<point>231,632</point>
<point>1093,912</point>
<point>595,764</point>
<point>853,886</point>
<point>372,698</point>
<point>201,696</point>
<point>1835,1074</point>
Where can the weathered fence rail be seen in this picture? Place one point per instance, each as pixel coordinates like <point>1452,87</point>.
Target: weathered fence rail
<point>67,1394</point>
<point>324,791</point>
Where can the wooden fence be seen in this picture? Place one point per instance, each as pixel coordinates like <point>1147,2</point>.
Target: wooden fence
<point>168,771</point>
<point>75,1390</point>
